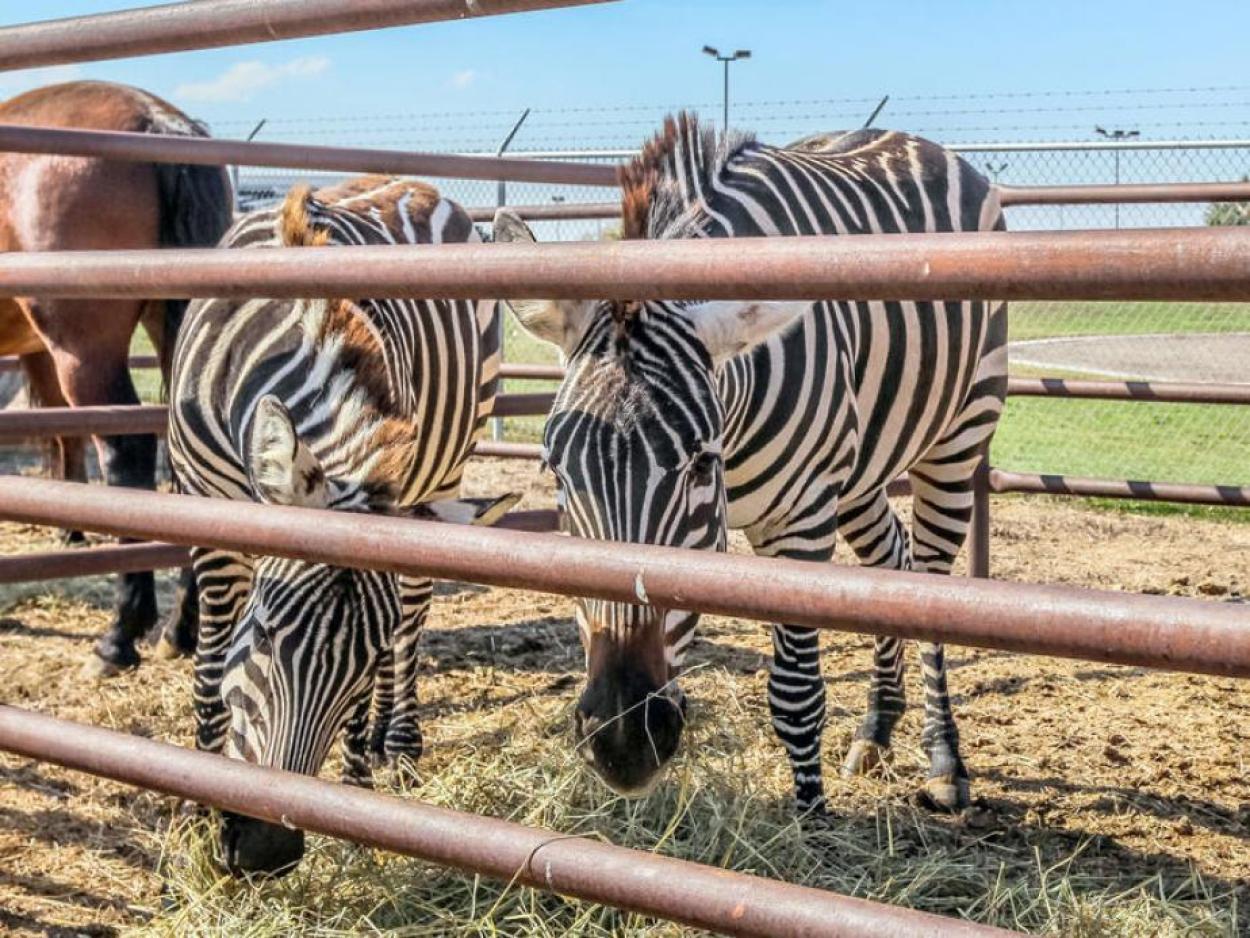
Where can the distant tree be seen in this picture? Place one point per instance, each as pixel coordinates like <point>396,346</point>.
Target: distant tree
<point>1229,213</point>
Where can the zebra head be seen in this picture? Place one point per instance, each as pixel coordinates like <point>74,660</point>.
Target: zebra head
<point>635,441</point>
<point>303,659</point>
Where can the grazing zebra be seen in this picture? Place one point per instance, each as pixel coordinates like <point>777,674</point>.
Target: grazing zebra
<point>786,420</point>
<point>366,406</point>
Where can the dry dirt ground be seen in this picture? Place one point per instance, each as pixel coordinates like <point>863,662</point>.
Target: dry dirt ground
<point>1113,779</point>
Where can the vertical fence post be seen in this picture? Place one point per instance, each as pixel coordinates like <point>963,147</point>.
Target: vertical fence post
<point>979,530</point>
<point>496,424</point>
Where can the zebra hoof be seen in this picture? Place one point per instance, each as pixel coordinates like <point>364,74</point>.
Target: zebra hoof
<point>945,794</point>
<point>863,758</point>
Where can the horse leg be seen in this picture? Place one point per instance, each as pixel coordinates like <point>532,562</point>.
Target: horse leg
<point>176,636</point>
<point>90,345</point>
<point>68,454</point>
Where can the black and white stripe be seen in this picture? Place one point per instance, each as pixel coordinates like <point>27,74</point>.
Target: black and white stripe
<point>677,420</point>
<point>367,406</point>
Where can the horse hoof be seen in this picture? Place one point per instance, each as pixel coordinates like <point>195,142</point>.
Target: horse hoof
<point>96,668</point>
<point>73,539</point>
<point>945,794</point>
<point>165,650</point>
<point>863,758</point>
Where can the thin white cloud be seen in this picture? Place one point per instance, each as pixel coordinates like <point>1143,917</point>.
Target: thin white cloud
<point>241,81</point>
<point>464,79</point>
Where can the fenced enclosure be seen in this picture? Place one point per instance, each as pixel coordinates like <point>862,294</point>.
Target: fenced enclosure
<point>1186,635</point>
<point>1130,340</point>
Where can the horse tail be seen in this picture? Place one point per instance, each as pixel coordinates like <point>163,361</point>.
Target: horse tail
<point>196,209</point>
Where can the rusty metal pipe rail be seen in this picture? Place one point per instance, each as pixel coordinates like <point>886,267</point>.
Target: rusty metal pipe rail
<point>532,372</point>
<point>523,405</point>
<point>1003,482</point>
<point>208,24</point>
<point>11,363</point>
<point>502,449</point>
<point>113,420</point>
<point>91,561</point>
<point>568,211</point>
<point>1210,264</point>
<point>105,420</point>
<point>120,145</point>
<point>1125,194</point>
<point>1159,392</point>
<point>43,422</point>
<point>700,896</point>
<point>1172,192</point>
<point>1150,631</point>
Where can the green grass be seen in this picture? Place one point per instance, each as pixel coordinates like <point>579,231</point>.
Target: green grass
<point>1101,439</point>
<point>1042,320</point>
<point>522,348</point>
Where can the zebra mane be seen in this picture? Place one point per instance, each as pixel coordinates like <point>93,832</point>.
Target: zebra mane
<point>662,187</point>
<point>387,449</point>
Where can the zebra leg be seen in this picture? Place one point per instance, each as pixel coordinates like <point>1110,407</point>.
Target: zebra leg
<point>357,767</point>
<point>796,690</point>
<point>224,580</point>
<point>383,706</point>
<point>175,636</point>
<point>941,509</point>
<point>403,732</point>
<point>941,512</point>
<point>878,538</point>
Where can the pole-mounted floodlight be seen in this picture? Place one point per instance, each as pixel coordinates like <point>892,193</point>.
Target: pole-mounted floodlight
<point>1116,134</point>
<point>715,53</point>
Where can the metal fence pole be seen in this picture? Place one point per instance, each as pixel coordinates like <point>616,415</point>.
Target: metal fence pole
<point>496,425</point>
<point>979,530</point>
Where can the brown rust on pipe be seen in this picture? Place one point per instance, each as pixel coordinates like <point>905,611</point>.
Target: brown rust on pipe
<point>1150,631</point>
<point>92,561</point>
<point>1002,481</point>
<point>700,896</point>
<point>119,145</point>
<point>1211,264</point>
<point>1125,194</point>
<point>175,27</point>
<point>1162,392</point>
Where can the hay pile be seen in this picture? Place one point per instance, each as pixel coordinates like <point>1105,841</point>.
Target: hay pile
<point>1112,801</point>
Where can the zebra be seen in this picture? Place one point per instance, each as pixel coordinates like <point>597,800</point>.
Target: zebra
<point>787,420</point>
<point>367,406</point>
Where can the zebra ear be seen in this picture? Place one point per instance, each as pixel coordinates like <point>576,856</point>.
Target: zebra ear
<point>479,511</point>
<point>282,468</point>
<point>560,323</point>
<point>730,327</point>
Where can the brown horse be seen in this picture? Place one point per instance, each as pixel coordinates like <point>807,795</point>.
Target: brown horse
<point>75,352</point>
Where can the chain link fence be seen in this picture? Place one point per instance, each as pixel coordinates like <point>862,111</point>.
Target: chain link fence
<point>1161,341</point>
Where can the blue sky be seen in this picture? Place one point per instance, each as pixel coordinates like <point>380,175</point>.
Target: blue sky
<point>478,75</point>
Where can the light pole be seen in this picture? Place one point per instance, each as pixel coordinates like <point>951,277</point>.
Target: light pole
<point>1117,136</point>
<point>715,53</point>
